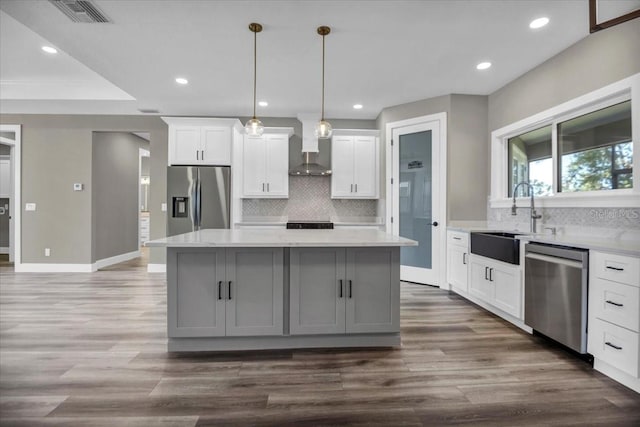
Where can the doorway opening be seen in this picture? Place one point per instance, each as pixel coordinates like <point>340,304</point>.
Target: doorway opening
<point>10,152</point>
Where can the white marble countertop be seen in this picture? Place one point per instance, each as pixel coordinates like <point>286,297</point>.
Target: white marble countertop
<point>282,220</point>
<point>282,238</point>
<point>613,241</point>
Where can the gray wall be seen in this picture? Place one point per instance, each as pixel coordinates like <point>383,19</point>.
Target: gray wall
<point>467,142</point>
<point>57,152</point>
<point>595,61</point>
<point>115,186</point>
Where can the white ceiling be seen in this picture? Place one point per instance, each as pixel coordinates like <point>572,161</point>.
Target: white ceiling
<point>379,54</point>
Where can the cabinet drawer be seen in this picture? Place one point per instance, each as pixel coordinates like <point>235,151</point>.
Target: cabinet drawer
<point>618,268</point>
<point>458,238</point>
<point>616,303</point>
<point>614,345</point>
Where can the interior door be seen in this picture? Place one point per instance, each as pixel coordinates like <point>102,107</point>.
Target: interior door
<point>416,183</point>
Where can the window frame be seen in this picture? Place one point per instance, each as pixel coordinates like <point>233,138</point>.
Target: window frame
<point>623,90</point>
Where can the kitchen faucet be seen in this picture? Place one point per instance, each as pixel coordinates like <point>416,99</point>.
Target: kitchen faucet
<point>534,215</point>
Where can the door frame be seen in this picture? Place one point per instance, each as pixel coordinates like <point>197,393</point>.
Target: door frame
<point>15,210</point>
<point>441,202</point>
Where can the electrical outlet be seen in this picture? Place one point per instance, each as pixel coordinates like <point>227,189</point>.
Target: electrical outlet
<point>30,207</point>
<point>47,251</point>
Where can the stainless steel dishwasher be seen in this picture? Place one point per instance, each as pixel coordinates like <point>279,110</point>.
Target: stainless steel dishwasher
<point>556,288</point>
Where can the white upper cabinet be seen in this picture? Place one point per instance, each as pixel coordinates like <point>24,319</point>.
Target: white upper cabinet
<point>265,164</point>
<point>200,141</point>
<point>355,164</point>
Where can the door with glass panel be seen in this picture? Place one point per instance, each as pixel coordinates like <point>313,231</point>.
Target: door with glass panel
<point>415,188</point>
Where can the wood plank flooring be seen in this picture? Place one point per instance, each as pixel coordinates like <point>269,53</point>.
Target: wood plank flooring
<point>90,350</point>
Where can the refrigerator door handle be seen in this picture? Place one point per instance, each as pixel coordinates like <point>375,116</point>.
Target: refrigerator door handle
<point>199,200</point>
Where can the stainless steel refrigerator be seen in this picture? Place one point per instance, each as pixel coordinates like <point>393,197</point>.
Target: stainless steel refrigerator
<point>198,197</point>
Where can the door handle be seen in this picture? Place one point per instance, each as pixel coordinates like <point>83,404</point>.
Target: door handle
<point>434,223</point>
<point>340,288</point>
<point>229,289</point>
<point>350,289</point>
<point>486,271</point>
<point>202,155</point>
<point>615,268</point>
<point>197,154</point>
<point>220,289</point>
<point>356,188</point>
<point>464,258</point>
<point>263,187</point>
<point>351,191</point>
<point>617,304</point>
<point>491,274</point>
<point>267,187</point>
<point>613,346</point>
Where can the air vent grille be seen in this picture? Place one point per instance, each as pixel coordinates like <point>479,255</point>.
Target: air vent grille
<point>80,11</point>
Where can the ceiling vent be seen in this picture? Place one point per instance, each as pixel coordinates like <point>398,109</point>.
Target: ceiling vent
<point>80,11</point>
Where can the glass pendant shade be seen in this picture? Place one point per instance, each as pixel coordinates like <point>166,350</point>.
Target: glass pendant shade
<point>254,127</point>
<point>323,129</point>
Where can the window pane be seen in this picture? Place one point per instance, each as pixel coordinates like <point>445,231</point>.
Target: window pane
<point>596,151</point>
<point>530,161</point>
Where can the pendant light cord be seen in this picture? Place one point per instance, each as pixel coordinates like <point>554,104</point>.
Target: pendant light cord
<point>255,70</point>
<point>322,78</point>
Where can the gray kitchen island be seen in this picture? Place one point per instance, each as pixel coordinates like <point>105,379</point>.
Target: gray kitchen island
<point>269,289</point>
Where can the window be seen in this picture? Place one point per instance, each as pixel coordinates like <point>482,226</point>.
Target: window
<point>530,160</point>
<point>576,154</point>
<point>596,150</point>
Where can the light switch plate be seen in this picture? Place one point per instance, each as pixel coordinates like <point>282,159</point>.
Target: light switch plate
<point>163,207</point>
<point>30,207</point>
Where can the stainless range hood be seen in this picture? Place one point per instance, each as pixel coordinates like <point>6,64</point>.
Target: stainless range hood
<point>309,165</point>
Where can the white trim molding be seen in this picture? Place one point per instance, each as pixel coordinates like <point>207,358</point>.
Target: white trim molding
<point>75,268</point>
<point>16,203</point>
<point>623,90</point>
<point>105,262</point>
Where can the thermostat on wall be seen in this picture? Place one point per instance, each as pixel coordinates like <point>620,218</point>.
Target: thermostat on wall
<point>77,187</point>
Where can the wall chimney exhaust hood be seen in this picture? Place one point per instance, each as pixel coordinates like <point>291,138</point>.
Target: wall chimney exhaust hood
<point>309,149</point>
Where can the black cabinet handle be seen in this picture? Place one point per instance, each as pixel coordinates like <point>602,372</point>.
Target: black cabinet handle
<point>613,346</point>
<point>229,289</point>
<point>617,304</point>
<point>340,288</point>
<point>615,268</point>
<point>491,274</point>
<point>464,258</point>
<point>220,289</point>
<point>434,223</point>
<point>457,238</point>
<point>350,289</point>
<point>486,271</point>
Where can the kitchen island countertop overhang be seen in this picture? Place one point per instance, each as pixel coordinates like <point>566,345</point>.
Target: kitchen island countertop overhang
<point>268,289</point>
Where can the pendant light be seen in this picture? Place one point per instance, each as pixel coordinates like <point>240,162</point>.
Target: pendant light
<point>254,127</point>
<point>323,128</point>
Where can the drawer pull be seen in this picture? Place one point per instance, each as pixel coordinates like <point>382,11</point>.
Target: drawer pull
<point>457,238</point>
<point>615,268</point>
<point>464,258</point>
<point>613,346</point>
<point>617,304</point>
<point>220,289</point>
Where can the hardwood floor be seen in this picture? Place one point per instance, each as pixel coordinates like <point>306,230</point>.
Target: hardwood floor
<point>90,350</point>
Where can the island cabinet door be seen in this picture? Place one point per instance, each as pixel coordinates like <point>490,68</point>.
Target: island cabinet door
<point>254,291</point>
<point>196,307</point>
<point>373,290</point>
<point>317,291</point>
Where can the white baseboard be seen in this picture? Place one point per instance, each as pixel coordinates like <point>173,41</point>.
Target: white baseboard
<point>101,263</point>
<point>4,250</point>
<point>74,268</point>
<point>28,267</point>
<point>156,268</point>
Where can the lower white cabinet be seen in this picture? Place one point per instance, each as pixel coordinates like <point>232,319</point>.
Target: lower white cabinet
<point>614,316</point>
<point>338,290</point>
<point>225,292</point>
<point>497,283</point>
<point>458,261</point>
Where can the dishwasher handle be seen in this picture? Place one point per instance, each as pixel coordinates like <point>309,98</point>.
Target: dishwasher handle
<point>554,260</point>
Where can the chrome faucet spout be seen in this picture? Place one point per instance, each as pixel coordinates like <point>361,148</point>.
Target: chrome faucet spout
<point>534,214</point>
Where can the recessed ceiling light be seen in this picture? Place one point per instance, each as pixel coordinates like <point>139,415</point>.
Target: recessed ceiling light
<point>357,106</point>
<point>263,103</point>
<point>182,80</point>
<point>49,49</point>
<point>539,23</point>
<point>483,65</point>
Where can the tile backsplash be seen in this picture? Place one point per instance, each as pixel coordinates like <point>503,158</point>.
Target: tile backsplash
<point>572,220</point>
<point>309,199</point>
